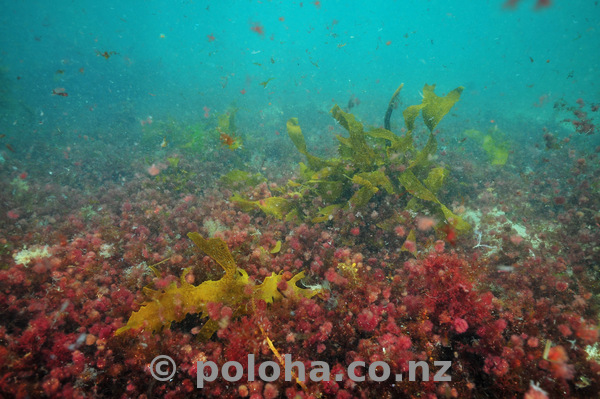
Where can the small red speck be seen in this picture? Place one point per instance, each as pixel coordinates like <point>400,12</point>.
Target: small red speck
<point>460,325</point>
<point>388,42</point>
<point>226,312</point>
<point>425,223</point>
<point>258,28</point>
<point>214,310</point>
<point>557,354</point>
<point>282,286</point>
<point>399,230</point>
<point>277,132</point>
<point>564,330</point>
<point>270,392</point>
<point>12,215</point>
<point>23,176</point>
<point>543,3</point>
<point>243,91</point>
<point>516,239</point>
<point>210,37</point>
<point>451,234</point>
<point>410,246</point>
<point>367,321</point>
<point>561,286</point>
<point>281,19</point>
<point>243,391</point>
<point>355,231</point>
<point>439,246</point>
<point>560,200</point>
<point>317,4</point>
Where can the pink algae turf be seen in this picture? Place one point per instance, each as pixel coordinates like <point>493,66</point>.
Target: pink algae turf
<point>514,312</point>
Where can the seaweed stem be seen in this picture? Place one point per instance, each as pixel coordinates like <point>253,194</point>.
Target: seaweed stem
<point>391,106</point>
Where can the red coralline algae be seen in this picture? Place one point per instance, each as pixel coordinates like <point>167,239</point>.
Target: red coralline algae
<point>460,325</point>
<point>496,365</point>
<point>270,391</point>
<point>491,304</point>
<point>13,214</point>
<point>557,362</point>
<point>399,230</point>
<point>367,320</point>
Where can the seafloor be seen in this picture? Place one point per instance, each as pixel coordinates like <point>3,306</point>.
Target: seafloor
<point>469,247</point>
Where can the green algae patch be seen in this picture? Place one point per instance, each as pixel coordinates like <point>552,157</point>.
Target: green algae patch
<point>175,177</point>
<point>420,191</point>
<point>437,107</point>
<point>275,206</point>
<point>331,191</point>
<point>242,178</point>
<point>391,222</point>
<point>410,244</point>
<point>414,186</point>
<point>433,107</point>
<point>493,143</point>
<point>410,116</point>
<point>326,213</point>
<point>226,122</point>
<point>391,106</point>
<point>380,133</point>
<point>370,183</point>
<point>171,133</point>
<point>355,147</point>
<point>436,178</point>
<point>426,153</point>
<point>227,132</point>
<point>175,302</point>
<point>295,133</point>
<point>373,163</point>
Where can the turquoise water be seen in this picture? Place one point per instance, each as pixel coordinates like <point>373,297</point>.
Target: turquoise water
<point>166,61</point>
<point>125,126</point>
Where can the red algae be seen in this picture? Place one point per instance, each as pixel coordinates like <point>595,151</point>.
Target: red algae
<point>367,320</point>
<point>13,214</point>
<point>460,325</point>
<point>488,303</point>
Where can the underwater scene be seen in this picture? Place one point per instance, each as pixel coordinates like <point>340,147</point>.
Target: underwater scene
<point>300,199</point>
